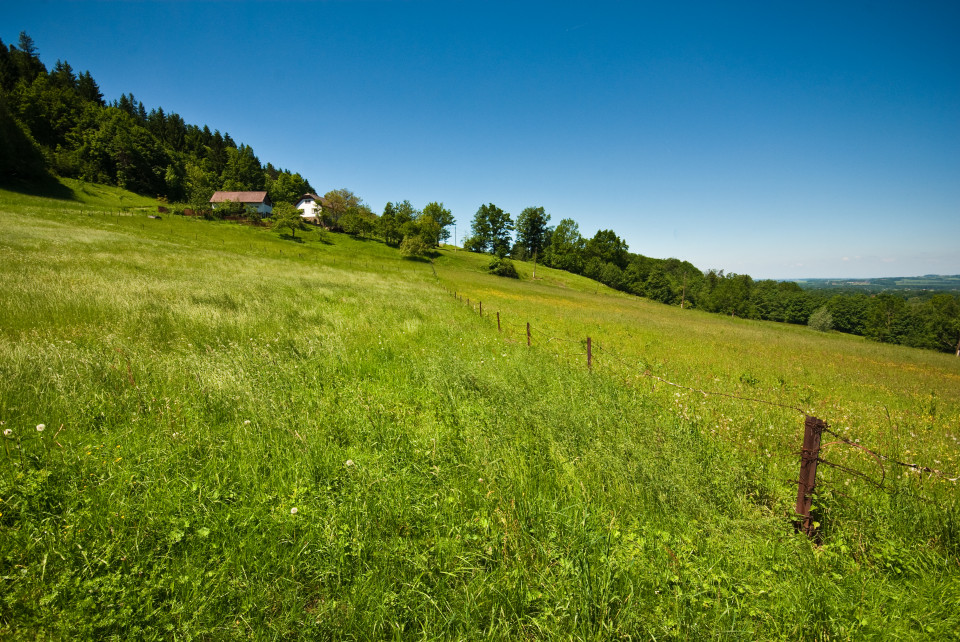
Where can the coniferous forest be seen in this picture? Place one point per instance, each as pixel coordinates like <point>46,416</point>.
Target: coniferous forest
<point>56,122</point>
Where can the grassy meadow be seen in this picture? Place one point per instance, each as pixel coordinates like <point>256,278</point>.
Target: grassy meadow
<point>247,436</point>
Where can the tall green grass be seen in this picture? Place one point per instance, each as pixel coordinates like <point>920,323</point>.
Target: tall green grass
<point>250,437</point>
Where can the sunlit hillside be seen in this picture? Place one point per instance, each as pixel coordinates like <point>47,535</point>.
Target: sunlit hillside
<point>214,431</point>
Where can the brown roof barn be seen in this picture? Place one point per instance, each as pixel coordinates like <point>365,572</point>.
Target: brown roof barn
<point>259,200</point>
<point>247,198</point>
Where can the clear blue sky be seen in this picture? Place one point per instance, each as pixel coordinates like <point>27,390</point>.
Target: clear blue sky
<point>781,140</point>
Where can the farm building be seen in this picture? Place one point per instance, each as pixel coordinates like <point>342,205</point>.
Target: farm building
<point>259,200</point>
<point>310,206</point>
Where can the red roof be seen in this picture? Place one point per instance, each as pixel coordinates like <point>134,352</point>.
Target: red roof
<point>240,197</point>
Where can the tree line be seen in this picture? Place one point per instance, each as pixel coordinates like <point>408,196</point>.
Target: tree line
<point>921,319</point>
<point>415,232</point>
<point>57,121</point>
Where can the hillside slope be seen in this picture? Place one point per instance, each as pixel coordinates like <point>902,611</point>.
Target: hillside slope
<point>246,436</point>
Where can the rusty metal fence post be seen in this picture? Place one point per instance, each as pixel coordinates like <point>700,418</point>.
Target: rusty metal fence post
<point>809,456</point>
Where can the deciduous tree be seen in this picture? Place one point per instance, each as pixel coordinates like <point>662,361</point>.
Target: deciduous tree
<point>442,217</point>
<point>387,225</point>
<point>339,201</point>
<point>608,247</point>
<point>287,217</point>
<point>565,249</point>
<point>491,228</point>
<point>532,230</point>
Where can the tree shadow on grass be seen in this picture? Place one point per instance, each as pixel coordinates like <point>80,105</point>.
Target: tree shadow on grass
<point>47,186</point>
<point>427,258</point>
<point>365,239</point>
<point>289,237</point>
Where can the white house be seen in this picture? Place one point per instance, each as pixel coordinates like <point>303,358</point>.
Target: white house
<point>311,206</point>
<point>259,200</point>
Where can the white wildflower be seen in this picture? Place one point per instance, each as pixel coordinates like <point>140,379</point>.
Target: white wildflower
<point>246,422</point>
<point>293,511</point>
<point>348,463</point>
<point>7,432</point>
<point>40,427</point>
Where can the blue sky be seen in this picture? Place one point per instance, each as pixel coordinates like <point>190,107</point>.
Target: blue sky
<point>781,140</point>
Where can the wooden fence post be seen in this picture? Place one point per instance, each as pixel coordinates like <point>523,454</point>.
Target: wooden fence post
<point>528,334</point>
<point>589,354</point>
<point>481,308</point>
<point>498,322</point>
<point>809,456</point>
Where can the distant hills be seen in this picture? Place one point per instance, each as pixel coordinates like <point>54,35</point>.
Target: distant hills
<point>929,282</point>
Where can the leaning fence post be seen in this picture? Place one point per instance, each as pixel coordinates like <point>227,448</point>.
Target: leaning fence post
<point>528,334</point>
<point>809,456</point>
<point>589,354</point>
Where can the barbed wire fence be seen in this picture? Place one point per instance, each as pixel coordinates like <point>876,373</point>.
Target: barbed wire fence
<point>811,452</point>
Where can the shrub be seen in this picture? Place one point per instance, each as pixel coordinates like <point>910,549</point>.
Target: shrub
<point>821,320</point>
<point>503,267</point>
<point>413,246</point>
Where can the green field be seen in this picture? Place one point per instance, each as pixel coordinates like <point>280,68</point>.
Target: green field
<point>250,437</point>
